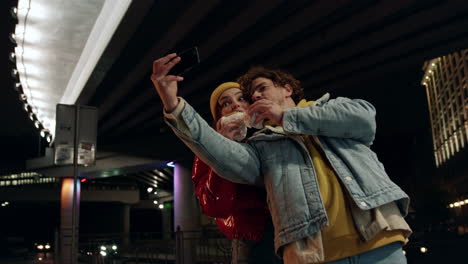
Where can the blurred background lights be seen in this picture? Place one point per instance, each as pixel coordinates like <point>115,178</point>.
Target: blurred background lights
<point>423,249</point>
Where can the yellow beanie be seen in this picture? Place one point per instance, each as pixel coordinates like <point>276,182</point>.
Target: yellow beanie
<point>217,93</point>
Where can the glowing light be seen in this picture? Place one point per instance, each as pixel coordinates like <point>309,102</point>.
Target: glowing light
<point>161,206</point>
<point>31,35</point>
<point>36,23</point>
<point>462,202</point>
<point>47,246</point>
<point>38,94</point>
<point>155,202</point>
<point>23,4</point>
<point>30,69</point>
<point>451,205</point>
<point>28,53</point>
<point>170,164</point>
<point>38,11</point>
<point>103,248</point>
<point>155,193</point>
<point>404,252</point>
<point>40,247</point>
<point>433,64</point>
<point>114,247</point>
<point>150,189</point>
<point>456,204</point>
<point>423,249</point>
<point>23,97</point>
<point>103,253</point>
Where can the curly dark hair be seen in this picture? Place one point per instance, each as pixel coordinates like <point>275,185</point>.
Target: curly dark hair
<point>278,77</point>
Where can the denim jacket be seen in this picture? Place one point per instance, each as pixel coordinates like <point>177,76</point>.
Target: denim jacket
<point>277,158</point>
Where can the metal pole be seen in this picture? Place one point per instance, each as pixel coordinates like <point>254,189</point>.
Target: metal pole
<point>75,172</point>
<point>39,145</point>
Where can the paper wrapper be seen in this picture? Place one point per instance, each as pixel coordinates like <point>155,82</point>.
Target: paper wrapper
<point>249,121</point>
<point>239,117</point>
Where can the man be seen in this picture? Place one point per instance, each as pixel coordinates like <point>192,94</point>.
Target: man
<point>329,196</point>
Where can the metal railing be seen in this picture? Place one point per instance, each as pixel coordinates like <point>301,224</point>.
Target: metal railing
<point>202,246</point>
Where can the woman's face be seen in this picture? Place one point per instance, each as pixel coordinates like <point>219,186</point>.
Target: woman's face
<point>231,101</point>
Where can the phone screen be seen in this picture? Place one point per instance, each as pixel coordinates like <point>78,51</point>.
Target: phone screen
<point>189,59</point>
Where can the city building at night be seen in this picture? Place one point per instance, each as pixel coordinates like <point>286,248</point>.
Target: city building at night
<point>446,83</point>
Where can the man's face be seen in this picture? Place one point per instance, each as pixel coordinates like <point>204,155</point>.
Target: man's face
<point>263,88</point>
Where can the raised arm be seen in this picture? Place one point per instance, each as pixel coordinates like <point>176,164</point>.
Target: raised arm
<point>236,162</point>
<point>231,160</point>
<point>165,84</point>
<point>340,117</point>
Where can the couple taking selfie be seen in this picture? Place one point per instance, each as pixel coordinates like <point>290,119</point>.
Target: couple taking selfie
<point>304,187</point>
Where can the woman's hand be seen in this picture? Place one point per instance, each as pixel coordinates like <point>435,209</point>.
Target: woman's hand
<point>230,129</point>
<point>166,85</point>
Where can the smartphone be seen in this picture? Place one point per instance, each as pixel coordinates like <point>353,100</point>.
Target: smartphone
<point>189,60</point>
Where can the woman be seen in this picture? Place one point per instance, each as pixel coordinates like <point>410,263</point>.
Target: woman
<point>240,210</point>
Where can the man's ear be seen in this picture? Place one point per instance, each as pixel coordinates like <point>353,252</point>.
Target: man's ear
<point>289,90</point>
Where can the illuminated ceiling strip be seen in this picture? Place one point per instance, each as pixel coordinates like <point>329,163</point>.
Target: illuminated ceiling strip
<point>111,14</point>
<point>34,50</point>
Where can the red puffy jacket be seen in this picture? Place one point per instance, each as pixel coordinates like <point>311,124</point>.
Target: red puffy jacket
<point>240,210</point>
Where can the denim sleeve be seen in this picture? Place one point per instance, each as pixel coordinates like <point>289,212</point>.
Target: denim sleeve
<point>236,162</point>
<point>340,117</point>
